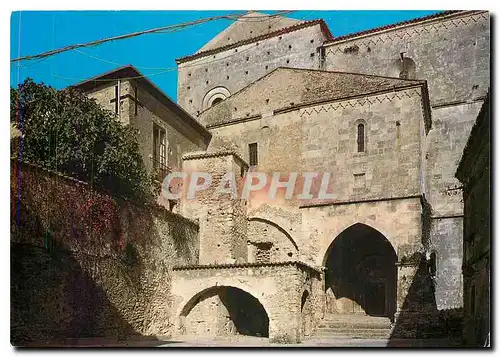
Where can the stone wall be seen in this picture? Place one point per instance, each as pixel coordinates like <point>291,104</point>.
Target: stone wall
<point>452,53</point>
<point>223,224</point>
<point>236,68</point>
<point>85,264</point>
<point>105,95</point>
<point>448,280</point>
<point>391,163</point>
<point>474,172</point>
<point>264,236</point>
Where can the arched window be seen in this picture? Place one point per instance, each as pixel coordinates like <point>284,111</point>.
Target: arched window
<point>216,100</point>
<point>361,137</point>
<point>215,96</point>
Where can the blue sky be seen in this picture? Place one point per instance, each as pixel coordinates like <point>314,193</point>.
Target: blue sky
<point>154,55</point>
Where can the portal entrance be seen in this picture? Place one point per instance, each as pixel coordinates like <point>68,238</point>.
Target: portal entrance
<point>360,276</point>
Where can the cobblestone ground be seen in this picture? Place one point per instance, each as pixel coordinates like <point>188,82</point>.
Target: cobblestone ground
<point>246,341</point>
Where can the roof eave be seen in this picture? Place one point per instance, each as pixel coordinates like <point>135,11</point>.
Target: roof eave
<point>293,28</point>
<point>395,26</point>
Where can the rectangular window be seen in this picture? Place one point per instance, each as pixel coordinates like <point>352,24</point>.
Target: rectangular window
<point>159,151</point>
<point>117,99</point>
<point>253,154</point>
<point>135,101</point>
<point>359,181</point>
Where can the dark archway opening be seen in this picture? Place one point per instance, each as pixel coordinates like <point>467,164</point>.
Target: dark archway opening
<point>225,310</point>
<point>361,274</point>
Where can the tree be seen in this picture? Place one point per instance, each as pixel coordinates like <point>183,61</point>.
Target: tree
<point>71,133</point>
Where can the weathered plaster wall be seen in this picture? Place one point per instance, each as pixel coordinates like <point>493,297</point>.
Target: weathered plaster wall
<point>84,264</point>
<point>234,69</point>
<point>105,96</point>
<point>178,142</point>
<point>282,247</point>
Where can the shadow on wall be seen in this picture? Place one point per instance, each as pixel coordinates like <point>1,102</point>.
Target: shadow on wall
<point>222,311</point>
<point>84,264</point>
<point>419,316</point>
<point>53,299</point>
<point>360,273</point>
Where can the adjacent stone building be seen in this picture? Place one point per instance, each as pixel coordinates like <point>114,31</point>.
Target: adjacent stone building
<point>474,173</point>
<point>165,130</point>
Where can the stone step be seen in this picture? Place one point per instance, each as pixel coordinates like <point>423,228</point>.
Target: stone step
<point>351,334</point>
<point>366,325</point>
<point>353,326</point>
<point>351,322</point>
<point>342,331</point>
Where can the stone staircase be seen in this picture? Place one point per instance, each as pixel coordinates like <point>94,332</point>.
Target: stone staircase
<point>352,327</point>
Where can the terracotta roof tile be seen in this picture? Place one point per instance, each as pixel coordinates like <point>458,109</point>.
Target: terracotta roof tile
<point>390,26</point>
<point>244,265</point>
<point>324,28</point>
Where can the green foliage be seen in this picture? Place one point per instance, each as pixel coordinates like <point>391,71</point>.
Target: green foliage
<point>131,256</point>
<point>68,132</point>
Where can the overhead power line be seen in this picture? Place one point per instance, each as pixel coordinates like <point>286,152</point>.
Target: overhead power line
<point>135,34</point>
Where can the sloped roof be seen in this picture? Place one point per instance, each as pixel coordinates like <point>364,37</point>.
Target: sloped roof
<point>132,73</point>
<point>399,24</point>
<point>287,88</point>
<point>252,24</point>
<point>279,32</point>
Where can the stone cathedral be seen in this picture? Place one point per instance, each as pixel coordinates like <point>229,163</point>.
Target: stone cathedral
<point>386,113</point>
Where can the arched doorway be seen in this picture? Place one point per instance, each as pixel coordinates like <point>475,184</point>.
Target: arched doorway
<point>224,310</point>
<point>361,274</point>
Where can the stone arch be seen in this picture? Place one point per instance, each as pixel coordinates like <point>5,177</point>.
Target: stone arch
<point>269,241</point>
<point>215,95</point>
<point>360,271</point>
<point>404,68</point>
<point>277,226</point>
<point>321,257</point>
<point>224,310</point>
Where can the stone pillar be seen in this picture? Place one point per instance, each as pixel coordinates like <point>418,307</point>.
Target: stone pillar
<point>222,217</point>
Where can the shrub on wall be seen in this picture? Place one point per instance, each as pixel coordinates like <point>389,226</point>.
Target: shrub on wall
<point>70,133</point>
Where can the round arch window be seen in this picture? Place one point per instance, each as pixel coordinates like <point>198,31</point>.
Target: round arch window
<point>215,96</point>
<point>216,100</point>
